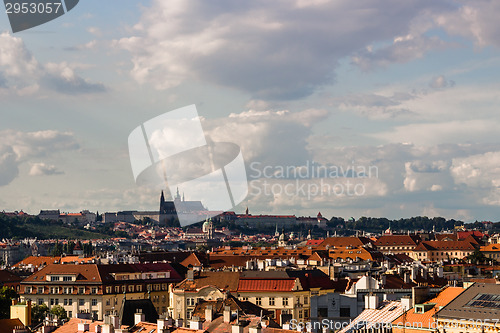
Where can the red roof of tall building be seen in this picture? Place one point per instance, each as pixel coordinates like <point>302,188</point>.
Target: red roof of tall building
<point>256,284</point>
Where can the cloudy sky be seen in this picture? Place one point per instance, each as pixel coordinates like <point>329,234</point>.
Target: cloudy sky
<point>395,101</point>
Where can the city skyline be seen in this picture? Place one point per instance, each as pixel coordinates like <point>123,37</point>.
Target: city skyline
<point>403,89</point>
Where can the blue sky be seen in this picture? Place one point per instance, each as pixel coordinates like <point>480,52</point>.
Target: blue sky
<point>407,87</point>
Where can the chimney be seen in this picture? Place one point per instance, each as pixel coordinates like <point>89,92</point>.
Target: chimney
<point>371,301</point>
<point>139,317</point>
<point>255,329</point>
<point>227,314</point>
<point>196,323</point>
<point>115,321</point>
<point>406,302</point>
<point>236,328</point>
<point>440,272</point>
<point>406,277</point>
<point>209,315</point>
<point>384,279</point>
<point>160,325</point>
<point>83,327</point>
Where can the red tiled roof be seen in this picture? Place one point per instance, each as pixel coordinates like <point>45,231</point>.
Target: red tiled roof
<point>72,325</point>
<point>8,325</point>
<point>344,241</point>
<point>388,240</point>
<point>314,242</point>
<point>252,284</point>
<point>444,245</point>
<point>424,320</point>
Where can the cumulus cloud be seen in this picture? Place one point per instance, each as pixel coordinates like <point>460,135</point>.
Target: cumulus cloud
<point>440,82</point>
<point>272,50</point>
<point>374,105</point>
<point>42,169</point>
<point>21,72</point>
<point>269,137</point>
<point>62,78</point>
<point>475,20</point>
<point>20,147</point>
<point>403,49</point>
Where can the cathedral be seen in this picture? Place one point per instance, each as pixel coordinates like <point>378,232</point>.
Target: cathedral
<point>170,210</point>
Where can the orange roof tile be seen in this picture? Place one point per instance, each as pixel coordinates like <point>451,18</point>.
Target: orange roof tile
<point>255,284</point>
<point>426,319</point>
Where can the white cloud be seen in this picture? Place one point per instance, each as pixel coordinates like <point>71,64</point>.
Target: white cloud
<point>440,82</point>
<point>19,147</point>
<point>269,137</point>
<point>272,50</point>
<point>22,73</point>
<point>42,169</point>
<point>476,20</point>
<point>402,50</point>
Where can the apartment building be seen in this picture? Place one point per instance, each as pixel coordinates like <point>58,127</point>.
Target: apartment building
<point>98,290</point>
<point>476,310</point>
<point>279,292</point>
<point>442,250</point>
<point>397,244</point>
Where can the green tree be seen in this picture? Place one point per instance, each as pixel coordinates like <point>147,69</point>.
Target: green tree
<point>38,313</point>
<point>6,296</point>
<point>477,257</point>
<point>59,312</point>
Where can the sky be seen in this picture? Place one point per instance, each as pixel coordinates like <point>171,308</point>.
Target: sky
<point>348,108</point>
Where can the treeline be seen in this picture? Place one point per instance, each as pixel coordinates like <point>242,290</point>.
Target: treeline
<point>19,227</point>
<point>379,224</point>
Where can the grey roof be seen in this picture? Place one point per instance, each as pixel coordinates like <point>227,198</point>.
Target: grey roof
<point>459,308</point>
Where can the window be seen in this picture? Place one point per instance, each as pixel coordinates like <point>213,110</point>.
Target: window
<point>190,302</point>
<point>300,314</point>
<point>109,290</point>
<point>67,290</point>
<point>56,301</point>
<point>27,290</point>
<point>70,314</point>
<point>131,289</point>
<point>258,300</point>
<point>108,302</point>
<point>65,302</point>
<point>81,290</point>
<point>322,312</point>
<point>40,290</point>
<point>345,312</point>
<point>94,290</point>
<point>70,301</point>
<point>67,278</point>
<point>139,288</point>
<point>285,301</point>
<point>94,301</point>
<point>306,313</point>
<point>271,301</point>
<point>81,302</point>
<point>117,289</point>
<point>306,300</point>
<point>54,278</point>
<point>40,301</point>
<point>244,299</point>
